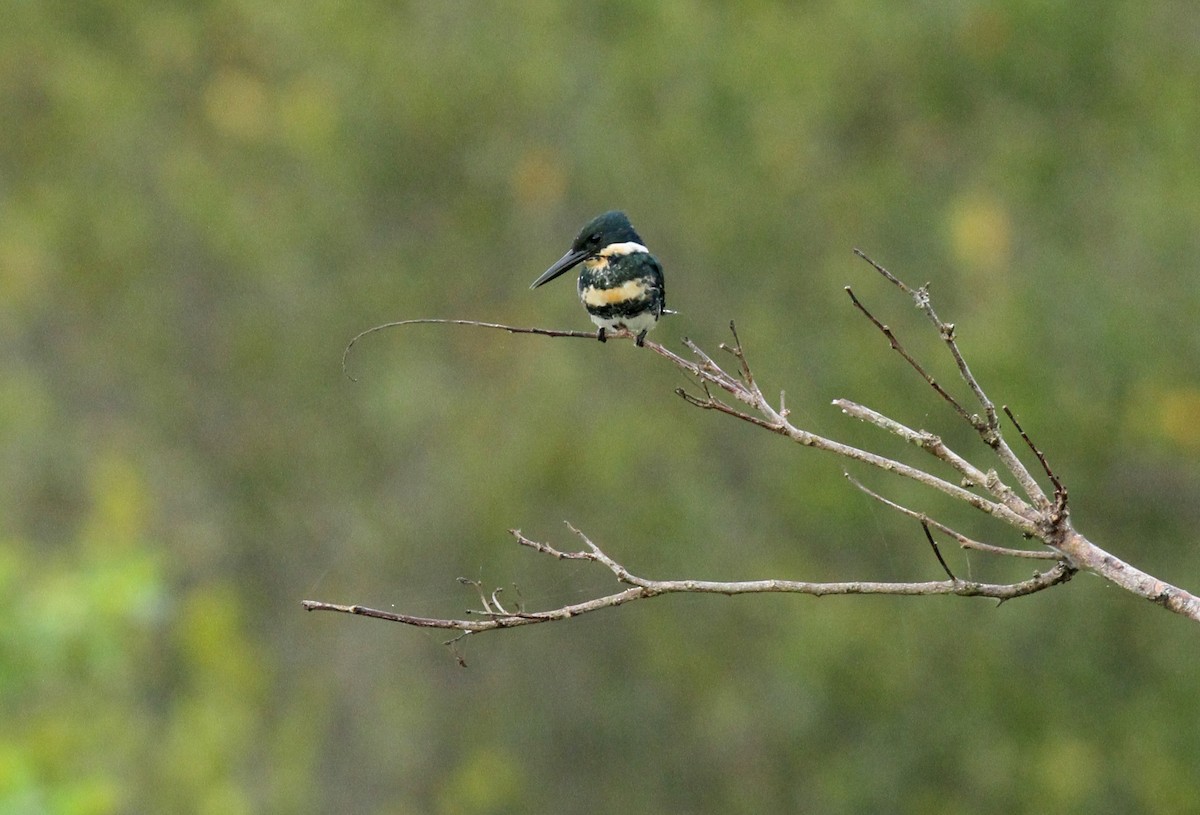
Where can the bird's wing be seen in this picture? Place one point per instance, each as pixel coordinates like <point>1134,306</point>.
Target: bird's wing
<point>656,275</point>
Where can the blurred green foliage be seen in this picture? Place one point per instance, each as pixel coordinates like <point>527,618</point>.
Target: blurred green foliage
<point>201,202</point>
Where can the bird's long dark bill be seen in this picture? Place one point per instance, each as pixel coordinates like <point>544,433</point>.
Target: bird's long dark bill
<point>565,262</point>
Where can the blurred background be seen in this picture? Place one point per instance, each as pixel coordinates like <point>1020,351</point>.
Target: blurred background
<point>200,203</point>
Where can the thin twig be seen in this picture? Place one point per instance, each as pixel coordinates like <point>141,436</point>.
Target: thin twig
<point>899,348</point>
<point>545,332</point>
<point>711,371</point>
<point>1060,492</point>
<point>937,552</point>
<point>740,354</point>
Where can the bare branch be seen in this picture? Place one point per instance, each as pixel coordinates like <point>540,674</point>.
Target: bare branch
<point>1048,522</point>
<point>1084,554</point>
<point>712,403</point>
<point>1020,517</point>
<point>642,588</point>
<point>490,624</point>
<point>989,430</point>
<point>934,445</point>
<point>963,540</point>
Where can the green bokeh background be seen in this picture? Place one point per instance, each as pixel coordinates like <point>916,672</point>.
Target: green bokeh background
<point>200,203</point>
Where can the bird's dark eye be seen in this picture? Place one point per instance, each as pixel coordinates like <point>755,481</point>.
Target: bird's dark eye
<point>594,238</point>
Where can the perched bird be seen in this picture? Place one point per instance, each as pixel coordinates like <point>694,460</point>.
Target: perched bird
<point>621,283</point>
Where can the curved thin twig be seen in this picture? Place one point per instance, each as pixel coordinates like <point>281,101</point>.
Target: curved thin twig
<point>511,329</point>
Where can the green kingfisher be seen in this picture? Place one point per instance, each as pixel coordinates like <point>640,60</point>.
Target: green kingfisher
<point>621,283</point>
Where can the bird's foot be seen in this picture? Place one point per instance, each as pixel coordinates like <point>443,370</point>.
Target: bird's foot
<point>640,341</point>
<point>601,336</point>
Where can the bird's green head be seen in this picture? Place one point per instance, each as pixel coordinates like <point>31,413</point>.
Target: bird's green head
<point>603,230</point>
<point>611,227</point>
